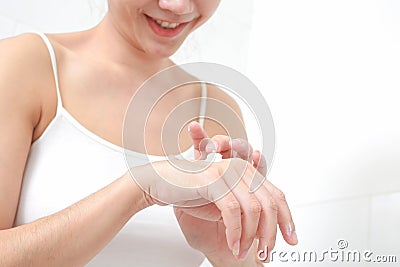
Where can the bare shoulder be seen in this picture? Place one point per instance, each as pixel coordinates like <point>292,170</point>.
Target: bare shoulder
<point>23,52</point>
<point>217,93</point>
<point>24,62</point>
<point>25,73</point>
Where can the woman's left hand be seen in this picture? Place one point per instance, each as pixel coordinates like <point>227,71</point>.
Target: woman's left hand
<point>224,145</point>
<point>208,234</point>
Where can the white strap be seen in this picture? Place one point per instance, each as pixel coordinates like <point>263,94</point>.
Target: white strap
<point>54,64</point>
<point>203,103</point>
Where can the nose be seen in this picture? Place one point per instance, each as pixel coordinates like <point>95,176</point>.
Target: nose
<point>178,7</point>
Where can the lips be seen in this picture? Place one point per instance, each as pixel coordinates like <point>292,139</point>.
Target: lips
<point>165,28</point>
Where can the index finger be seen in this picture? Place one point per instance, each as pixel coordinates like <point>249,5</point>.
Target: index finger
<point>198,135</point>
<point>259,162</point>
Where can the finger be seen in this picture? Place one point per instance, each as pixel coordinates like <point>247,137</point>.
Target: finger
<point>222,144</point>
<point>243,149</point>
<point>219,193</point>
<point>253,178</point>
<point>285,220</point>
<point>259,162</point>
<point>267,227</point>
<point>232,218</point>
<point>251,209</point>
<point>206,147</point>
<point>256,182</point>
<point>228,148</point>
<point>208,212</point>
<point>198,135</point>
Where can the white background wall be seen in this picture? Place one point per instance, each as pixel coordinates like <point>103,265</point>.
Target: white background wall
<point>329,71</point>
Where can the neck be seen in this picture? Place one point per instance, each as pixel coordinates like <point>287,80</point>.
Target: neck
<point>106,40</point>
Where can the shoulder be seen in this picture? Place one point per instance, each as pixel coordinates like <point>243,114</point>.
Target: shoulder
<point>219,94</point>
<point>25,73</point>
<point>215,128</point>
<point>24,60</point>
<point>22,52</point>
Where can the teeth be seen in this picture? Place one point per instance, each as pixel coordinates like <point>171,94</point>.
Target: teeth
<point>166,24</point>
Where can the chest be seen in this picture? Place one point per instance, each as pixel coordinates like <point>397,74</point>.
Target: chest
<point>124,121</point>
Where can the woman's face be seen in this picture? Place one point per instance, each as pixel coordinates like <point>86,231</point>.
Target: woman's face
<point>159,27</point>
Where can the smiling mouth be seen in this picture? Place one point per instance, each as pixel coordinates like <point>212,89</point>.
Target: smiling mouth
<point>166,24</point>
<point>165,28</point>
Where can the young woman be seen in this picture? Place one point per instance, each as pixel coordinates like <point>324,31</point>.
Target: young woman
<point>66,198</point>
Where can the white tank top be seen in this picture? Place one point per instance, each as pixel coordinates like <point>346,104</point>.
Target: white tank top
<point>68,162</point>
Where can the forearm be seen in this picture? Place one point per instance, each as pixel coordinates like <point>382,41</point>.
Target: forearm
<point>74,235</point>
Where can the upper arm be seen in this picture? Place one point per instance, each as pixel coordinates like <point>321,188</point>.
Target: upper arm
<point>233,120</point>
<point>20,68</point>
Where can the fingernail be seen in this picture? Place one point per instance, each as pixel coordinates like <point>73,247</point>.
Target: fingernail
<point>211,147</point>
<point>236,142</point>
<point>289,229</point>
<point>189,127</point>
<point>291,233</point>
<point>294,237</point>
<point>235,249</point>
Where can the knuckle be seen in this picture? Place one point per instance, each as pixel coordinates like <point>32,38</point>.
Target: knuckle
<point>280,195</point>
<point>272,205</point>
<point>236,228</point>
<point>233,207</point>
<point>254,206</point>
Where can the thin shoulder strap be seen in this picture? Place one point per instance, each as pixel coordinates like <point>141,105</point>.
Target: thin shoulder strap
<point>203,103</point>
<point>54,65</point>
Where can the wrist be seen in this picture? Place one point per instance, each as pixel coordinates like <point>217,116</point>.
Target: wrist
<point>138,199</point>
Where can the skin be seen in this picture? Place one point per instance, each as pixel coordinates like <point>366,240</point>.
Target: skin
<point>189,218</point>
<point>99,70</point>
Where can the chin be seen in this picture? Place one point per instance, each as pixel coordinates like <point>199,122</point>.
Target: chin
<point>162,51</point>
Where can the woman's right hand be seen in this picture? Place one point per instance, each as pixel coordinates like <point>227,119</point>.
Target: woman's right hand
<point>247,212</point>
